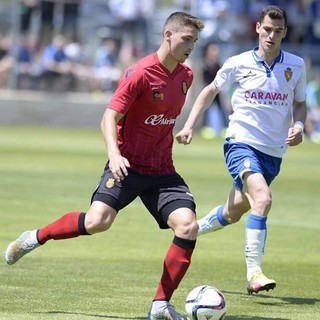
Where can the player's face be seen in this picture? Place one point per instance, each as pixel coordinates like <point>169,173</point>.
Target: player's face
<point>271,32</point>
<point>182,42</point>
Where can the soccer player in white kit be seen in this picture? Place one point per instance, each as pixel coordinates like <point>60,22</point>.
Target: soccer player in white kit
<point>269,112</point>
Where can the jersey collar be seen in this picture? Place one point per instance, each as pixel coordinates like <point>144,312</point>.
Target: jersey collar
<point>278,59</point>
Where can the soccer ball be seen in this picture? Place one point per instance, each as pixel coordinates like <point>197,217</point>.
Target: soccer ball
<point>206,303</point>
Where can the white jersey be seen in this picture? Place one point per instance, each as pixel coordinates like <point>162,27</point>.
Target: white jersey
<point>263,98</point>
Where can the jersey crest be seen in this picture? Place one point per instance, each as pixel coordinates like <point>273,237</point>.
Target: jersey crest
<point>288,74</point>
<point>184,87</point>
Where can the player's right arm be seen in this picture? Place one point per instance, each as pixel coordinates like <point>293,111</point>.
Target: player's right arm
<point>117,163</point>
<point>202,103</point>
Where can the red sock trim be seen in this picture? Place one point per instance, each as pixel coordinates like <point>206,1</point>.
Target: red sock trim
<point>66,227</point>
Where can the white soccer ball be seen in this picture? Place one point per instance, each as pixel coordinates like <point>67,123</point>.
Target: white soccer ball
<point>206,303</point>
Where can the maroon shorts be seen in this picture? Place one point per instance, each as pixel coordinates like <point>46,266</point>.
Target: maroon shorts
<point>160,194</point>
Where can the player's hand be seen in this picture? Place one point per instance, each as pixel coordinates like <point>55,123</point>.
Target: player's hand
<point>295,136</point>
<point>184,136</point>
<point>118,166</point>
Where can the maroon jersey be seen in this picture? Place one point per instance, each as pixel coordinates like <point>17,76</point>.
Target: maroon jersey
<point>151,98</point>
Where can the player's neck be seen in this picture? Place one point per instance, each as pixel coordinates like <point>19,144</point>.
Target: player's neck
<point>268,57</point>
<point>166,60</point>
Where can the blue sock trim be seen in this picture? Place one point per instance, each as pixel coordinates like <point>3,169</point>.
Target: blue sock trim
<point>220,216</point>
<point>257,222</point>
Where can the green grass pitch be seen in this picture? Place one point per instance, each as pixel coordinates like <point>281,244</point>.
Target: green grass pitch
<point>113,275</point>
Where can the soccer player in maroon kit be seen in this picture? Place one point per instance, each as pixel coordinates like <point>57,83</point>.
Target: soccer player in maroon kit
<point>137,128</point>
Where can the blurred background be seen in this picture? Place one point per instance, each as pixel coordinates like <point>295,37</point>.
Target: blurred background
<point>60,60</point>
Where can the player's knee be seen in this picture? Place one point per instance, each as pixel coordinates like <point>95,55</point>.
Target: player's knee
<point>194,227</point>
<point>95,223</point>
<point>187,230</point>
<point>263,204</point>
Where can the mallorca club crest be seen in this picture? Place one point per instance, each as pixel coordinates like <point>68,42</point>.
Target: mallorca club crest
<point>184,87</point>
<point>288,74</point>
<point>110,183</point>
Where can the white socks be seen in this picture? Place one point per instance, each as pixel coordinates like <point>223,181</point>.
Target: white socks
<point>255,240</point>
<point>255,237</point>
<point>213,221</point>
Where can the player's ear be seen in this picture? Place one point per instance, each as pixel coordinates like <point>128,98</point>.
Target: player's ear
<point>284,33</point>
<point>258,25</point>
<point>167,35</point>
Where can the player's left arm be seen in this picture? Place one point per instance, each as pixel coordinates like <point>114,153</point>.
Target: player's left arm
<point>295,134</point>
<point>117,163</point>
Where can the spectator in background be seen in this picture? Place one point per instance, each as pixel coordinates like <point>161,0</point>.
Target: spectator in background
<point>24,56</point>
<point>80,65</point>
<point>215,118</point>
<point>107,72</point>
<point>56,72</point>
<point>313,103</point>
<point>6,61</point>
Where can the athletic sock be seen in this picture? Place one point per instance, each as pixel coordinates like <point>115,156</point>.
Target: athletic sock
<point>256,234</point>
<point>158,305</point>
<point>213,221</point>
<point>175,266</point>
<point>70,225</point>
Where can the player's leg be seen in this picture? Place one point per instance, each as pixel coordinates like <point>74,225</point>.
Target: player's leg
<point>176,263</point>
<point>178,257</point>
<point>221,216</point>
<point>259,195</point>
<point>99,217</point>
<point>172,205</point>
<point>213,221</point>
<point>73,224</point>
<point>237,204</point>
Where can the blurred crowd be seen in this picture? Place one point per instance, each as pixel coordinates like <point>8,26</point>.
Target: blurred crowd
<point>84,45</point>
<point>72,45</point>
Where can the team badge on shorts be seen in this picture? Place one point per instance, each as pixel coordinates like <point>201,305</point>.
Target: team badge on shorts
<point>110,183</point>
<point>288,74</point>
<point>247,163</point>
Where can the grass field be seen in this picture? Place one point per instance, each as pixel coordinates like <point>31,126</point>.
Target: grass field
<point>47,172</point>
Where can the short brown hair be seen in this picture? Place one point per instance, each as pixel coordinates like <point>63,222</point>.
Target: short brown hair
<point>180,19</point>
<point>274,12</point>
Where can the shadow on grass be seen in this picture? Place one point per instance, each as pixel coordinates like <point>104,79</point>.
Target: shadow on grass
<point>270,300</point>
<point>91,315</point>
<point>143,318</point>
<point>288,300</point>
<point>252,318</point>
